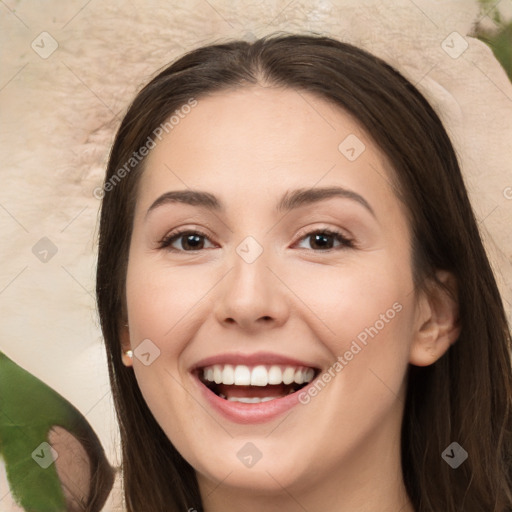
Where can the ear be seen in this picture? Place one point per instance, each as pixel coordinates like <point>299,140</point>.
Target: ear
<point>437,324</point>
<point>124,338</point>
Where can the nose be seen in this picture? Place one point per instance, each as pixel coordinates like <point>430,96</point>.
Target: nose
<point>252,296</point>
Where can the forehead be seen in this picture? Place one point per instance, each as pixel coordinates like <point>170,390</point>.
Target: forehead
<point>250,144</point>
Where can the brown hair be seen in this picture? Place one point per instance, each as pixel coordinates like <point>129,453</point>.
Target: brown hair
<point>465,396</point>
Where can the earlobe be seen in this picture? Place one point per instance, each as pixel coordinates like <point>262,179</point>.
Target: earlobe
<point>437,326</point>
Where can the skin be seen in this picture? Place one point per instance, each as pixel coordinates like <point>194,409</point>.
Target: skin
<point>341,451</point>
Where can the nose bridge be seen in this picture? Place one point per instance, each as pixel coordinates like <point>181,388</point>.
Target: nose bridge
<point>251,293</point>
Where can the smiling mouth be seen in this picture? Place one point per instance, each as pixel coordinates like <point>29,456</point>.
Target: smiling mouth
<point>255,384</point>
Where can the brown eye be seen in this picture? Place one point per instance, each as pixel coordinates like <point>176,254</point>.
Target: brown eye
<point>187,241</point>
<point>324,239</point>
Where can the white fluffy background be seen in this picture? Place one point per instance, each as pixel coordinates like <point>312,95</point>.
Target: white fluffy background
<point>59,116</point>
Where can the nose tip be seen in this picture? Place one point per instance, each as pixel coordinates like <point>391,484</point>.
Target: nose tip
<point>251,297</point>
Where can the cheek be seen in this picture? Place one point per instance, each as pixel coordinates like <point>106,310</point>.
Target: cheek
<point>373,320</point>
<point>357,300</point>
<point>166,305</point>
<point>365,318</point>
<point>161,300</point>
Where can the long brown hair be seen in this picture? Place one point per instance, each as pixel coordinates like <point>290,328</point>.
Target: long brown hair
<point>465,396</point>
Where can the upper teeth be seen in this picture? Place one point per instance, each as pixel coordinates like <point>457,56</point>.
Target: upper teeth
<point>241,375</point>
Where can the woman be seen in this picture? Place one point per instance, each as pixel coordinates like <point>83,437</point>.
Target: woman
<point>298,311</point>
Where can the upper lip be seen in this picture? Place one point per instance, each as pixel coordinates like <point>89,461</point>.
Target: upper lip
<point>257,358</point>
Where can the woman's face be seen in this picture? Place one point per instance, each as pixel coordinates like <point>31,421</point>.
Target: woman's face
<point>293,263</point>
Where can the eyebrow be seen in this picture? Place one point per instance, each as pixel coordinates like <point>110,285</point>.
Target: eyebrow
<point>291,200</point>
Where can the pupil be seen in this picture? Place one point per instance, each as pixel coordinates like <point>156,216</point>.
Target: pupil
<point>195,239</point>
<point>319,237</point>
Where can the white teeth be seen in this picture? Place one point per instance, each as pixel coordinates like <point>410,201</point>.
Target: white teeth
<point>309,374</point>
<point>228,375</point>
<point>275,375</point>
<point>242,375</point>
<point>288,375</point>
<point>254,400</point>
<point>260,375</point>
<point>217,373</point>
<point>298,378</point>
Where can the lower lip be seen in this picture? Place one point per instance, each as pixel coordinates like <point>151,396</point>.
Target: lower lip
<point>240,412</point>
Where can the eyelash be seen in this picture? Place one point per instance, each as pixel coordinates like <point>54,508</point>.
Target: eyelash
<point>346,243</point>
